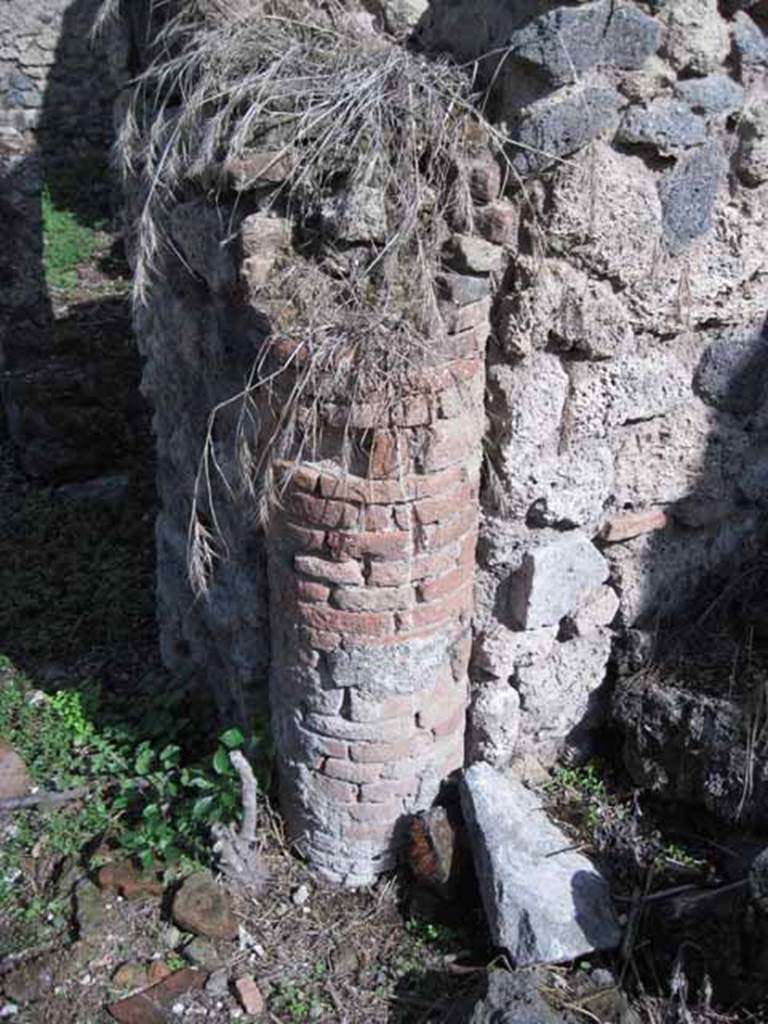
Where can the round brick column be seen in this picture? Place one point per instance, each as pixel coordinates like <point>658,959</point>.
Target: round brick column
<point>371,580</point>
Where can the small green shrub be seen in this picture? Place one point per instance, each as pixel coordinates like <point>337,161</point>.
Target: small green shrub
<point>67,243</point>
<point>144,795</point>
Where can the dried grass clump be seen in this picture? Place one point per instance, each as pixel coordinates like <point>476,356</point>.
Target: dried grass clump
<point>348,110</point>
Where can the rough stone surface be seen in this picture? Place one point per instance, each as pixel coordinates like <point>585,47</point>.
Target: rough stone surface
<point>202,906</point>
<point>544,902</point>
<point>494,724</point>
<point>554,579</point>
<point>14,777</point>
<point>695,36</point>
<point>752,153</point>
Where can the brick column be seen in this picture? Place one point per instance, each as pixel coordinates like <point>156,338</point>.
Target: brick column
<point>371,579</point>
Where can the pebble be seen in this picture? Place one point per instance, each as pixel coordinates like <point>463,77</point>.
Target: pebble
<point>177,1009</point>
<point>300,895</point>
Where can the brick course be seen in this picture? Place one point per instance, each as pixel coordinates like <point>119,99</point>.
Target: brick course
<point>367,570</point>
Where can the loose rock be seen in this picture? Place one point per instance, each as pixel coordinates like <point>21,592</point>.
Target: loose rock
<point>15,780</point>
<point>249,994</point>
<point>544,902</point>
<point>202,906</point>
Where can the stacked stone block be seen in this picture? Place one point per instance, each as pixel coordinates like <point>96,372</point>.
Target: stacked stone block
<point>371,584</point>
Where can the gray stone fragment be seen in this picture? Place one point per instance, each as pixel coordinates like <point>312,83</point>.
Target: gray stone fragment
<point>543,906</point>
<point>714,94</point>
<point>553,580</point>
<point>752,152</point>
<point>688,193</point>
<point>563,122</point>
<point>513,998</point>
<point>696,37</point>
<point>665,124</point>
<point>631,37</point>
<point>494,724</point>
<point>733,372</point>
<point>356,215</point>
<point>475,256</point>
<point>750,43</point>
<point>401,16</point>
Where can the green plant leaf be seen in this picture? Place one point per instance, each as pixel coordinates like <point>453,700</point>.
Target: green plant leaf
<point>221,763</point>
<point>232,739</point>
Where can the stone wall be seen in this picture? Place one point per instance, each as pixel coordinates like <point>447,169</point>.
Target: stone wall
<point>55,80</point>
<point>627,373</point>
<point>621,243</point>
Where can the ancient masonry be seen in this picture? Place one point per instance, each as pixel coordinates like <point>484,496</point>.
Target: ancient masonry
<point>372,579</point>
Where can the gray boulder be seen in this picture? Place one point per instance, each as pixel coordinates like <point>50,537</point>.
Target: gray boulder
<point>543,905</point>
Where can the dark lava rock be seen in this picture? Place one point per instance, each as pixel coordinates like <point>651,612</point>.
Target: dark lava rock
<point>665,124</point>
<point>732,374</point>
<point>711,95</point>
<point>514,998</point>
<point>691,746</point>
<point>688,194</point>
<point>562,123</point>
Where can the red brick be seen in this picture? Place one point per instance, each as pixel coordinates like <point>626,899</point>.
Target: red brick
<point>383,811</point>
<point>414,411</point>
<point>378,518</point>
<point>392,730</point>
<point>443,585</point>
<point>498,222</point>
<point>435,510</point>
<point>633,524</point>
<point>381,792</point>
<point>468,549</point>
<point>459,528</point>
<point>449,441</point>
<point>308,591</point>
<point>358,415</point>
<point>349,571</point>
<point>349,772</point>
<point>319,639</point>
<point>459,603</point>
<point>334,789</point>
<point>463,318</point>
<point>296,475</point>
<point>299,539</point>
<point>370,832</point>
<point>334,620</point>
<point>373,599</point>
<point>383,753</point>
<point>403,516</point>
<point>442,707</point>
<point>389,455</point>
<point>311,744</point>
<point>392,574</point>
<point>384,546</point>
<point>316,511</point>
<point>364,709</point>
<point>485,180</point>
<point>363,489</point>
<point>438,377</point>
<point>453,723</point>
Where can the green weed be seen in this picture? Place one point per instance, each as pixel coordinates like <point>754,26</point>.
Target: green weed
<point>146,797</point>
<point>67,243</point>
